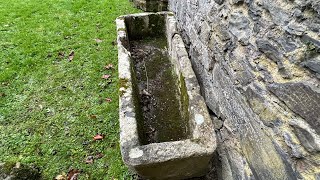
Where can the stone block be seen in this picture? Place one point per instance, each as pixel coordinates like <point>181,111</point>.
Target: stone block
<point>302,99</point>
<point>151,5</point>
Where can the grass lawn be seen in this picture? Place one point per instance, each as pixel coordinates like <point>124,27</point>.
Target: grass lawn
<point>52,101</point>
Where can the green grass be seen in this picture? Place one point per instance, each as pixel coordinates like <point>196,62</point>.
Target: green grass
<point>51,108</point>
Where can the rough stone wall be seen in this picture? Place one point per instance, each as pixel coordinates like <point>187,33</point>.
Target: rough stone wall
<point>258,63</point>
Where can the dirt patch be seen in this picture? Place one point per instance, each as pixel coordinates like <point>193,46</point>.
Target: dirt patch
<point>164,118</point>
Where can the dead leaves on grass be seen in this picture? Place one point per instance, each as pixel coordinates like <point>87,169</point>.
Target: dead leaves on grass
<point>109,66</point>
<point>90,159</point>
<point>61,55</point>
<point>98,137</point>
<point>98,156</point>
<point>71,56</point>
<point>93,116</point>
<point>72,175</point>
<point>106,76</point>
<point>108,100</point>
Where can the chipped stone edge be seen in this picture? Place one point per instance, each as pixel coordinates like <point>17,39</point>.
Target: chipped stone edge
<point>203,140</point>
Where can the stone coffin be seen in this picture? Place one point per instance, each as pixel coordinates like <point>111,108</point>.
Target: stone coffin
<point>179,159</point>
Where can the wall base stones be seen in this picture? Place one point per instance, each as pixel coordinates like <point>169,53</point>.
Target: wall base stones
<point>258,62</point>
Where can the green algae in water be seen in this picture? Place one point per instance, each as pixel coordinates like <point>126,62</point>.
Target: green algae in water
<point>162,95</point>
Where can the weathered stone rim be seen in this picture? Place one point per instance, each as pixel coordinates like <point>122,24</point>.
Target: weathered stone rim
<point>202,141</point>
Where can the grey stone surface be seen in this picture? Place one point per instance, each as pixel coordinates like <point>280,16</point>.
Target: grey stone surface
<point>151,5</point>
<point>302,99</point>
<point>270,51</point>
<point>258,74</point>
<point>313,64</point>
<point>308,139</point>
<point>167,160</point>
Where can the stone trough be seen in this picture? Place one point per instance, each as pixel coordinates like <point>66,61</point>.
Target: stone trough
<point>165,128</point>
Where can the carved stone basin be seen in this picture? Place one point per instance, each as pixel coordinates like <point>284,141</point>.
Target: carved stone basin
<point>165,128</point>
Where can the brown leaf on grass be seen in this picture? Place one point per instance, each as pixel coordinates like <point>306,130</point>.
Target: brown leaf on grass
<point>106,76</point>
<point>109,66</point>
<point>98,137</point>
<point>98,40</point>
<point>61,55</point>
<point>89,160</point>
<point>108,99</point>
<point>2,94</point>
<point>92,116</point>
<point>73,174</point>
<point>98,156</point>
<point>71,56</point>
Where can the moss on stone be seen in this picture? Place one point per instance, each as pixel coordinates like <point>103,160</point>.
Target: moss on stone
<point>170,14</point>
<point>166,90</point>
<point>7,167</point>
<point>123,84</point>
<point>122,29</point>
<point>184,99</point>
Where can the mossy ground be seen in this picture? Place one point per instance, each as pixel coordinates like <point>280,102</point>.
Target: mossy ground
<point>50,107</point>
<point>164,111</point>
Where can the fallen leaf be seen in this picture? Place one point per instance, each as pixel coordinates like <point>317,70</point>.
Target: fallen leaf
<point>73,174</point>
<point>61,177</point>
<point>98,137</point>
<point>98,40</point>
<point>2,95</point>
<point>98,156</point>
<point>92,116</point>
<point>106,76</point>
<point>108,99</point>
<point>89,160</point>
<point>71,56</point>
<point>109,66</point>
<point>61,55</point>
